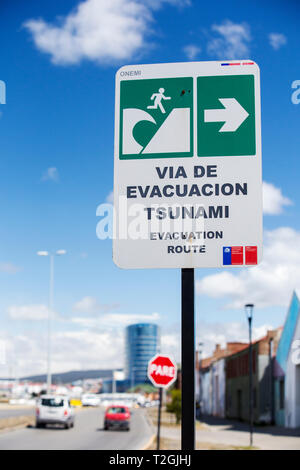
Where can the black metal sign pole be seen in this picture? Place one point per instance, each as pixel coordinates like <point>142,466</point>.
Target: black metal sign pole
<point>187,359</point>
<point>159,418</point>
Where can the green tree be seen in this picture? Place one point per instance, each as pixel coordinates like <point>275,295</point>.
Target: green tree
<point>175,405</point>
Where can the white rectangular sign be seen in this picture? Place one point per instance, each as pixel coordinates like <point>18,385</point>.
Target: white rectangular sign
<point>187,172</point>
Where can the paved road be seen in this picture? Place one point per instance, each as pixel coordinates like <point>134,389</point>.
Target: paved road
<point>18,411</point>
<point>88,434</point>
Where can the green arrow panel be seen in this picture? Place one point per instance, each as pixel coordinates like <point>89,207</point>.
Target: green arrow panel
<point>235,91</point>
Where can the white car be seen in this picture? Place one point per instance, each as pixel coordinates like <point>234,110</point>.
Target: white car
<point>90,399</point>
<point>52,409</point>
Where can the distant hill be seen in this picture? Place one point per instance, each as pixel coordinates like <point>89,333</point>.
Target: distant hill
<point>72,376</point>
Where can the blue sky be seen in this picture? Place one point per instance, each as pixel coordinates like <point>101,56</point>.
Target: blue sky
<point>58,62</point>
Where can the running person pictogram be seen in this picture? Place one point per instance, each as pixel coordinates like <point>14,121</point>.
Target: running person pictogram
<point>158,97</point>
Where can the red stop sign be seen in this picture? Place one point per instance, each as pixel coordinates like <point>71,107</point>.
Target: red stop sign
<point>162,371</point>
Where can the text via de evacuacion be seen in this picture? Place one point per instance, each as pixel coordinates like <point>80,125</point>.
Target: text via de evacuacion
<point>187,190</point>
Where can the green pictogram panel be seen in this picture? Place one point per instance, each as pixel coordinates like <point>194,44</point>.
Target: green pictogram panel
<point>225,116</point>
<point>156,118</point>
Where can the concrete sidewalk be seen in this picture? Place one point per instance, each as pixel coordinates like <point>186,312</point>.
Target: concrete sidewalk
<point>232,433</point>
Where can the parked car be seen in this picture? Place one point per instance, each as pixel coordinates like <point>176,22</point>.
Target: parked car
<point>117,417</point>
<point>90,399</point>
<point>53,409</point>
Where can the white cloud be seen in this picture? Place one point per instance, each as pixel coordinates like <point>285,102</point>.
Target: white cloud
<point>269,284</point>
<point>88,349</point>
<point>232,41</point>
<point>127,319</point>
<point>9,268</point>
<point>192,51</point>
<point>102,348</point>
<point>70,350</point>
<point>87,305</point>
<point>220,285</point>
<point>155,4</point>
<point>110,197</point>
<point>171,344</point>
<point>112,320</point>
<point>211,334</point>
<point>277,40</point>
<point>28,312</point>
<point>90,304</point>
<point>51,174</point>
<point>273,199</point>
<point>98,30</point>
<point>85,343</point>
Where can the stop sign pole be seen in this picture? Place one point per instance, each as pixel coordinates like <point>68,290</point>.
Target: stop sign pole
<point>187,359</point>
<point>159,419</point>
<point>162,372</point>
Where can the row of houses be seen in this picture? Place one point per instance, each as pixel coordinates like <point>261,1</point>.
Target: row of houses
<point>224,377</point>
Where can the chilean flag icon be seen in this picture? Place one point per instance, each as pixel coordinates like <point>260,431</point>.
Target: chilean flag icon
<point>233,255</point>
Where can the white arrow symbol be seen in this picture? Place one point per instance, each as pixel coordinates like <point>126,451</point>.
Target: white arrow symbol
<point>233,115</point>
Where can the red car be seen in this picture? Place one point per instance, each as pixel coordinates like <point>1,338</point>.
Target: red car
<point>117,416</point>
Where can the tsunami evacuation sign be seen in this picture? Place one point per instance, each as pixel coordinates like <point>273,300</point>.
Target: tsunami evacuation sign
<point>187,171</point>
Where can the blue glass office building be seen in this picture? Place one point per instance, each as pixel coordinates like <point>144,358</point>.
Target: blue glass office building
<point>142,342</point>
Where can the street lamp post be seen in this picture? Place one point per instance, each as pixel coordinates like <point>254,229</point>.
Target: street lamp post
<point>50,310</point>
<point>249,314</point>
<point>200,346</point>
